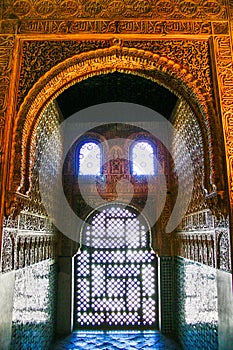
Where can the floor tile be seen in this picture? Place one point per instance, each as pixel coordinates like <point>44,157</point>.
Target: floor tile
<point>93,340</point>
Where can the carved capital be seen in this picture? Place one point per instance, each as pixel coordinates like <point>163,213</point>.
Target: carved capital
<point>14,203</point>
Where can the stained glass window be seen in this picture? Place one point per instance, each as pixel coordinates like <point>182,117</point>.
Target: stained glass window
<point>143,158</point>
<point>115,272</point>
<point>89,159</point>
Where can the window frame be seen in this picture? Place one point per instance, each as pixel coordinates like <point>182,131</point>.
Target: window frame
<point>77,158</point>
<point>131,160</point>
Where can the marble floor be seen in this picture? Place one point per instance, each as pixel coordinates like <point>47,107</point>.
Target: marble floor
<point>115,340</point>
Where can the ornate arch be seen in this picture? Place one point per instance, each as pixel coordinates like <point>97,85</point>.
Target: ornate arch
<point>170,74</point>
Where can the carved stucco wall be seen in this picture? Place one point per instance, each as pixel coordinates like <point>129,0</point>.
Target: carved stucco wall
<point>203,234</point>
<point>194,37</point>
<point>186,46</point>
<point>7,44</point>
<point>198,21</point>
<point>101,16</point>
<point>29,236</point>
<point>200,52</point>
<point>104,56</point>
<point>189,131</point>
<point>6,53</point>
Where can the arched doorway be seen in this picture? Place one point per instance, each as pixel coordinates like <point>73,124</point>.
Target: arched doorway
<point>115,271</point>
<point>164,240</point>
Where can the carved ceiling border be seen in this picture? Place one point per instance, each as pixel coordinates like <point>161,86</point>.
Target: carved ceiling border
<point>80,67</point>
<point>137,26</point>
<point>115,9</point>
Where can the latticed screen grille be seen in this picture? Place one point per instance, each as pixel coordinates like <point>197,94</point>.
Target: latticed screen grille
<point>115,272</point>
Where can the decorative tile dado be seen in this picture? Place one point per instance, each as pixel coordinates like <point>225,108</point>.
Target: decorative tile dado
<point>34,309</point>
<point>196,305</point>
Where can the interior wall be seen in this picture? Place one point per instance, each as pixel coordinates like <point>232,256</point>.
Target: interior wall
<point>203,29</point>
<point>29,249</point>
<point>202,244</point>
<point>7,282</point>
<point>189,242</point>
<point>225,310</point>
<point>34,313</point>
<point>189,131</point>
<point>203,234</point>
<point>196,305</point>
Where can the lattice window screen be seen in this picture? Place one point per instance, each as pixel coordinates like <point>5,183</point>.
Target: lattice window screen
<point>115,272</point>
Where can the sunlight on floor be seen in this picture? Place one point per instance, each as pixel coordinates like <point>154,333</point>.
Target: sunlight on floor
<point>114,340</point>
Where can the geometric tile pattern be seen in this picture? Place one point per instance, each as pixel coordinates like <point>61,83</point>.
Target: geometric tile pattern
<point>166,297</point>
<point>34,307</point>
<point>196,306</point>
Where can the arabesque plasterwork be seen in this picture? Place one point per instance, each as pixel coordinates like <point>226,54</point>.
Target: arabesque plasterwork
<point>7,44</point>
<point>110,9</point>
<point>6,63</point>
<point>102,61</point>
<point>224,65</point>
<point>115,17</point>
